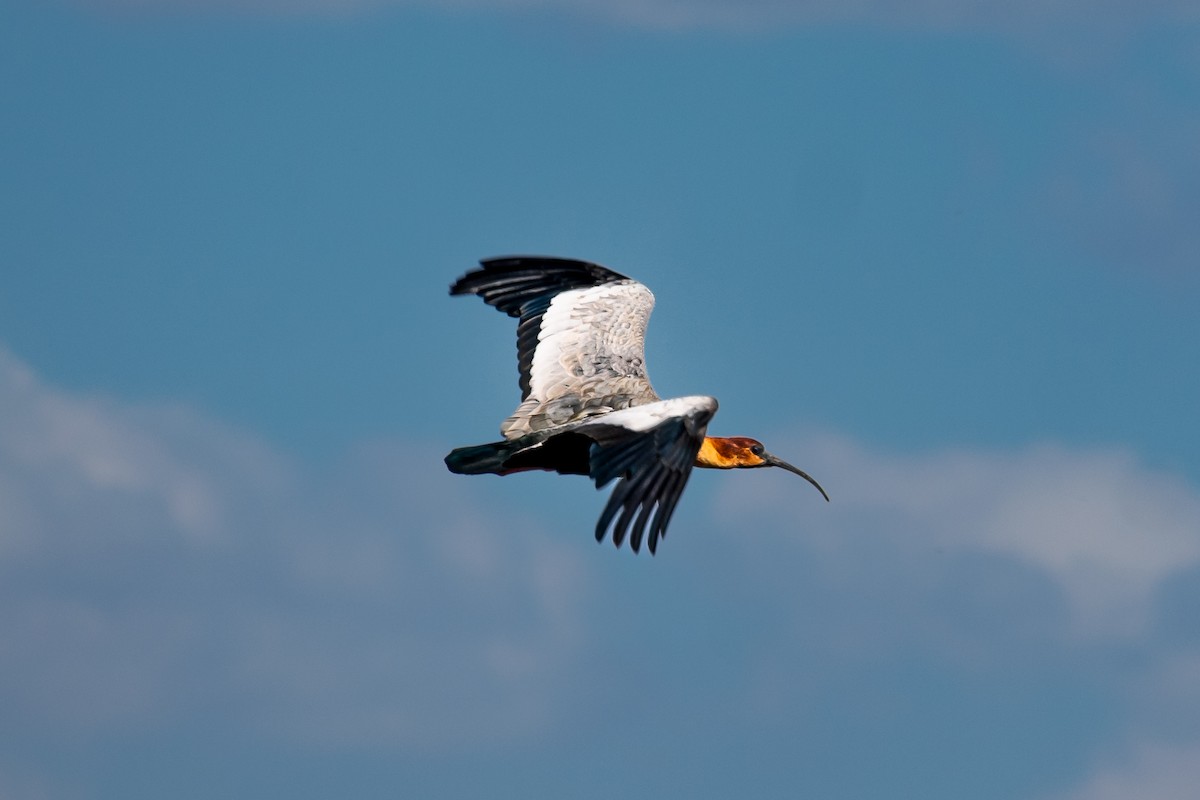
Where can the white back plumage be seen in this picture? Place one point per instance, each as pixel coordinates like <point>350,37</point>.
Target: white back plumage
<point>580,337</point>
<point>589,358</point>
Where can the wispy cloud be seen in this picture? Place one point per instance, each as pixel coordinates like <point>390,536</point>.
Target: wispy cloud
<point>1107,530</point>
<point>754,15</point>
<point>1149,772</point>
<point>1129,191</point>
<point>157,566</point>
<point>152,561</point>
<point>993,561</point>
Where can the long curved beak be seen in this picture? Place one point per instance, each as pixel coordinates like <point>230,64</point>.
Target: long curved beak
<point>773,461</point>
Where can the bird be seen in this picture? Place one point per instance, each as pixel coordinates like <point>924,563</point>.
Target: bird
<point>587,406</point>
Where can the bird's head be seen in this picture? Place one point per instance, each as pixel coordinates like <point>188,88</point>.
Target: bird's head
<point>742,452</point>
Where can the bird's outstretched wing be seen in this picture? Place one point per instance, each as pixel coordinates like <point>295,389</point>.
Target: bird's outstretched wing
<point>650,449</point>
<point>579,336</point>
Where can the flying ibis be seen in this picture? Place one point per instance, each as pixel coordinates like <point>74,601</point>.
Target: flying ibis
<point>587,407</point>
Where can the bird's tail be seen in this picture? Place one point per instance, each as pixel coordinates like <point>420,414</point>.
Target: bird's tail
<point>481,459</point>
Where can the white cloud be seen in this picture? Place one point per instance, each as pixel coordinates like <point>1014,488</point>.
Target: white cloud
<point>153,563</point>
<point>18,783</point>
<point>1128,191</point>
<point>377,603</point>
<point>759,15</point>
<point>1105,528</point>
<point>1148,772</point>
<point>66,457</point>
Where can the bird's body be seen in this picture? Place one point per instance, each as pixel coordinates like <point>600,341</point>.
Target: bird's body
<point>587,406</point>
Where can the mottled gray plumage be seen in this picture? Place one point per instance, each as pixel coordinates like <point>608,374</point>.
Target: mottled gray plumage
<point>588,359</point>
<point>579,338</point>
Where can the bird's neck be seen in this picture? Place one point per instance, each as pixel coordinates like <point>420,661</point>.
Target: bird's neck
<point>717,453</point>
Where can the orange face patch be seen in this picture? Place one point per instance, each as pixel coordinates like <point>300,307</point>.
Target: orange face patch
<point>727,452</point>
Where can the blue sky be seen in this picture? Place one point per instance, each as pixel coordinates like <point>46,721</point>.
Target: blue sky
<point>940,255</point>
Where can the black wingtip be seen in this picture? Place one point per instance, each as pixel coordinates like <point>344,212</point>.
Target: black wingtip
<point>549,264</point>
<point>507,282</point>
